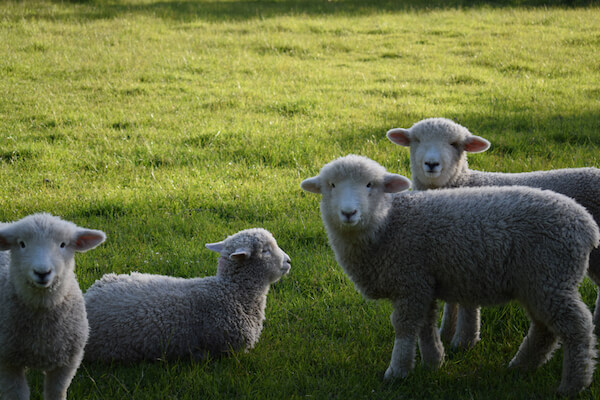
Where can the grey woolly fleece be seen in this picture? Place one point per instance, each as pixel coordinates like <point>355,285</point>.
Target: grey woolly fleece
<point>580,184</point>
<point>470,245</point>
<point>142,316</point>
<point>43,322</point>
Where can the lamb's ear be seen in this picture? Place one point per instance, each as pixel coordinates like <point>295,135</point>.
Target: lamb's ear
<point>394,183</point>
<point>87,239</point>
<point>399,136</point>
<point>240,254</point>
<point>218,247</point>
<point>312,185</point>
<point>476,144</point>
<point>6,239</point>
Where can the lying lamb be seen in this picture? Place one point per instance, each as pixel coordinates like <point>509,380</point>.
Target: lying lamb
<point>141,316</point>
<point>43,322</point>
<point>471,245</point>
<point>438,159</point>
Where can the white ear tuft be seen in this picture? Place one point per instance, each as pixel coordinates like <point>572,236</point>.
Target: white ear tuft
<point>476,144</point>
<point>399,136</point>
<point>218,247</point>
<point>87,239</point>
<point>312,185</point>
<point>240,254</point>
<point>394,183</point>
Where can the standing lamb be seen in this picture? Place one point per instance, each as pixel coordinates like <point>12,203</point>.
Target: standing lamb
<point>438,159</point>
<point>43,322</point>
<point>470,245</point>
<point>142,316</point>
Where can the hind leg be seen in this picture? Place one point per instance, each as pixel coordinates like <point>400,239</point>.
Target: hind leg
<point>565,314</point>
<point>536,348</point>
<point>467,327</point>
<point>594,274</point>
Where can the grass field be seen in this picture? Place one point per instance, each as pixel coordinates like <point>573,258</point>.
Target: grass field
<point>171,124</point>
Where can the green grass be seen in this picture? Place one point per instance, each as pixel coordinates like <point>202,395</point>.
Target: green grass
<point>172,124</point>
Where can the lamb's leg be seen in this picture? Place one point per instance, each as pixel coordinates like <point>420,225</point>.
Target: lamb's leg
<point>432,349</point>
<point>448,325</point>
<point>594,274</point>
<point>408,317</point>
<point>564,313</point>
<point>57,382</point>
<point>536,348</point>
<point>13,384</point>
<point>467,327</point>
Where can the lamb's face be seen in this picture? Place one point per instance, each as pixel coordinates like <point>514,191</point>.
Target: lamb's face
<point>275,260</point>
<point>353,190</point>
<point>255,249</point>
<point>437,149</point>
<point>40,259</point>
<point>42,248</point>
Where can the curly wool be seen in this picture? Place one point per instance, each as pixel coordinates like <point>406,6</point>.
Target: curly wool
<point>450,143</point>
<point>143,316</point>
<point>471,245</point>
<point>41,327</point>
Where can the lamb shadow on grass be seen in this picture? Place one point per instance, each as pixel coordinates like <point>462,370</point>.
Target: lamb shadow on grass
<point>215,10</point>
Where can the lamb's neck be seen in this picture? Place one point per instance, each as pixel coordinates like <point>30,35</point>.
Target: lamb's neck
<point>476,178</point>
<point>356,252</point>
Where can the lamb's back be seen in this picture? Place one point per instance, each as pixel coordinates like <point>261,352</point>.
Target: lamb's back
<point>143,316</point>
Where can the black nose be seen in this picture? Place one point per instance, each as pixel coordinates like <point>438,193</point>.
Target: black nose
<point>348,214</point>
<point>42,275</point>
<point>432,165</point>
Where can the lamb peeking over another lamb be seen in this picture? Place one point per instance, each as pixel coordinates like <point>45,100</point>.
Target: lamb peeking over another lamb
<point>43,322</point>
<point>470,245</point>
<point>438,159</point>
<point>142,316</point>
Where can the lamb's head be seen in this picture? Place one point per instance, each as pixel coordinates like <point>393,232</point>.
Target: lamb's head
<point>354,192</point>
<point>438,149</point>
<point>42,249</point>
<point>251,252</point>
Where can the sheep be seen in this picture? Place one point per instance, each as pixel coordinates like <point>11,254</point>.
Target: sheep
<point>139,316</point>
<point>43,322</point>
<point>438,159</point>
<point>468,245</point>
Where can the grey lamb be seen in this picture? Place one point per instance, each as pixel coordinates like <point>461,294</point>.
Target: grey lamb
<point>142,316</point>
<point>43,322</point>
<point>469,245</point>
<point>438,159</point>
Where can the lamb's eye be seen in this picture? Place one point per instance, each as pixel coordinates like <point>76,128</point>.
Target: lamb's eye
<point>62,245</point>
<point>454,144</point>
<point>369,185</point>
<point>332,185</point>
<point>22,244</point>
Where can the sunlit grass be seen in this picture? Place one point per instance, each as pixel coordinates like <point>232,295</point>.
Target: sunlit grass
<point>173,124</point>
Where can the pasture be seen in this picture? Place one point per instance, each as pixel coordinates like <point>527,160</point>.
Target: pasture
<point>171,124</point>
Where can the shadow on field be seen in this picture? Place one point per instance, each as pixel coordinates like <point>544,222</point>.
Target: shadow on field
<point>219,10</point>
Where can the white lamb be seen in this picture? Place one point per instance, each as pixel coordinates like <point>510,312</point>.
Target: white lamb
<point>438,159</point>
<point>142,316</point>
<point>470,245</point>
<point>43,322</point>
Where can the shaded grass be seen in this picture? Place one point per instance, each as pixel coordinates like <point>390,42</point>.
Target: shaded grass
<point>173,124</point>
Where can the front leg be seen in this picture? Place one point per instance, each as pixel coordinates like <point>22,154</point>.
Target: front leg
<point>408,318</point>
<point>13,384</point>
<point>57,382</point>
<point>432,349</point>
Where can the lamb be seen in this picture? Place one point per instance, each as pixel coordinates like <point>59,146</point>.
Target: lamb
<point>438,159</point>
<point>143,316</point>
<point>468,245</point>
<point>43,322</point>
